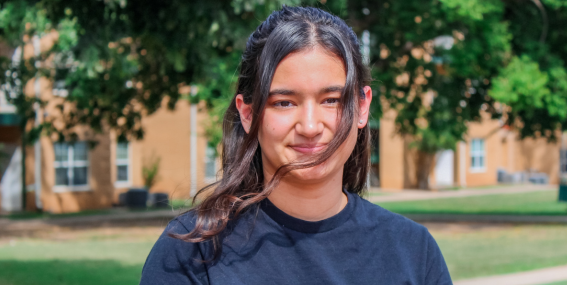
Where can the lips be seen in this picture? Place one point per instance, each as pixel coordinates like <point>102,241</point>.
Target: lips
<point>308,148</point>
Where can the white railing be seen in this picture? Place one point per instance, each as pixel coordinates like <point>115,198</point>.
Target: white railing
<point>11,183</point>
<point>6,107</point>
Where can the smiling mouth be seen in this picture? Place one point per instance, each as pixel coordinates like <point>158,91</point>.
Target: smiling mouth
<point>308,148</point>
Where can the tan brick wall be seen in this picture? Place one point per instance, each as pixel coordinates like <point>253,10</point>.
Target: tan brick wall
<point>489,131</point>
<point>392,158</point>
<point>168,137</point>
<point>540,156</point>
<point>503,150</point>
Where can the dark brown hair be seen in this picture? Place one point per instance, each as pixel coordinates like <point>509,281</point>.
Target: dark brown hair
<point>242,185</point>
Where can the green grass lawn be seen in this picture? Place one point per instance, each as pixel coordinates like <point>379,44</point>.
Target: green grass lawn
<point>116,257</point>
<point>500,250</point>
<point>111,259</point>
<point>531,203</point>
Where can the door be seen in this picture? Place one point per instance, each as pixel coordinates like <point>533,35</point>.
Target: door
<point>444,168</point>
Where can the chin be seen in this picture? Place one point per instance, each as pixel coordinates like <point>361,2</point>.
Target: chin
<point>312,174</point>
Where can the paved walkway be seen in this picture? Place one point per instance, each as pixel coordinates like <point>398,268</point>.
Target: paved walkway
<point>410,195</point>
<point>535,277</point>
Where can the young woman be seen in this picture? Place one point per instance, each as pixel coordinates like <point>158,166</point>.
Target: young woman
<point>287,209</point>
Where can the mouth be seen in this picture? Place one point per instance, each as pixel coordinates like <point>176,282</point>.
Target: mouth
<point>308,148</point>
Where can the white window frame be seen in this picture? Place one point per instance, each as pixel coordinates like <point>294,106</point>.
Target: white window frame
<point>210,179</point>
<point>70,164</point>
<point>6,107</point>
<point>121,162</point>
<point>59,89</point>
<point>478,154</point>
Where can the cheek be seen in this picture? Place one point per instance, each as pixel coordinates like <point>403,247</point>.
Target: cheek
<point>274,129</point>
<point>348,146</point>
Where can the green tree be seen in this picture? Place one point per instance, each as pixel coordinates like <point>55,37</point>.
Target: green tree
<point>533,85</point>
<point>440,63</point>
<point>21,23</point>
<point>434,61</point>
<point>120,59</point>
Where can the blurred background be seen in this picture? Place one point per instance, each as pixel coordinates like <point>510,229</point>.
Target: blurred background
<point>111,114</point>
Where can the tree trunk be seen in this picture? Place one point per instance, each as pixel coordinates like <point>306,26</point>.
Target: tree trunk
<point>423,169</point>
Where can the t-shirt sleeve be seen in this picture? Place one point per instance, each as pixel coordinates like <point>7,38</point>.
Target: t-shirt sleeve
<point>173,261</point>
<point>437,272</point>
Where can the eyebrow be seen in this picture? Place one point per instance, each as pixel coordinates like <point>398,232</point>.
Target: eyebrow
<point>329,89</point>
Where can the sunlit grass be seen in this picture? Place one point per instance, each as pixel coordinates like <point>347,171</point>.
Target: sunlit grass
<point>116,255</point>
<point>502,250</point>
<point>88,259</point>
<point>531,203</point>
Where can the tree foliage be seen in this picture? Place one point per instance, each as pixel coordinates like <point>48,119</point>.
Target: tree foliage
<point>440,64</point>
<point>122,59</point>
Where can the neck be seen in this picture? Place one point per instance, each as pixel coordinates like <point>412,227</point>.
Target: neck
<point>310,201</point>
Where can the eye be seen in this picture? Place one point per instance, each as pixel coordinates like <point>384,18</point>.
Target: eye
<point>283,104</point>
<point>332,101</point>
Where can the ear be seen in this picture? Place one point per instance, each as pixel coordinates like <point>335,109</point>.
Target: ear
<point>364,107</point>
<point>245,111</point>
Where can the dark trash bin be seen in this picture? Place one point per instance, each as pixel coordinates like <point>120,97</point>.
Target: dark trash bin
<point>122,199</point>
<point>159,200</point>
<point>137,198</point>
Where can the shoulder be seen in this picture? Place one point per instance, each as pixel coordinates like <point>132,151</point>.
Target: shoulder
<point>405,239</point>
<point>397,231</point>
<point>373,215</point>
<point>174,261</point>
<point>167,244</point>
<point>182,224</point>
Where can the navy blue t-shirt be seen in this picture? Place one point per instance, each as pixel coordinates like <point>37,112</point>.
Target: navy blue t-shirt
<point>362,244</point>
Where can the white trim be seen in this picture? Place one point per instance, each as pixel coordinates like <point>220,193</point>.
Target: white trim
<point>477,154</point>
<point>477,170</point>
<point>210,180</point>
<point>5,107</point>
<point>462,164</point>
<point>210,159</point>
<point>122,184</point>
<point>77,188</point>
<point>127,162</point>
<point>70,164</point>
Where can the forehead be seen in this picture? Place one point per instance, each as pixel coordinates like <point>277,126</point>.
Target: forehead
<point>308,71</point>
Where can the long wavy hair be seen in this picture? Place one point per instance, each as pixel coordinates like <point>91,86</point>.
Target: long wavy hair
<point>242,185</point>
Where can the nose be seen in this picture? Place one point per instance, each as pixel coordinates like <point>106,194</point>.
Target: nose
<point>309,123</point>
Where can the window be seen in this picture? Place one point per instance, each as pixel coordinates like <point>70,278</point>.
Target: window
<point>59,89</point>
<point>122,162</point>
<point>210,164</point>
<point>71,164</point>
<point>478,155</point>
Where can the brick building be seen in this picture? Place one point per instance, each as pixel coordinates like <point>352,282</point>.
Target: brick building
<point>487,150</point>
<point>72,177</point>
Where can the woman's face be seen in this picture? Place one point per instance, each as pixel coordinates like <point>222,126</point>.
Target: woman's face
<point>301,115</point>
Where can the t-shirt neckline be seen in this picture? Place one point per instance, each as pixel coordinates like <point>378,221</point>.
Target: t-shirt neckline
<point>303,226</point>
